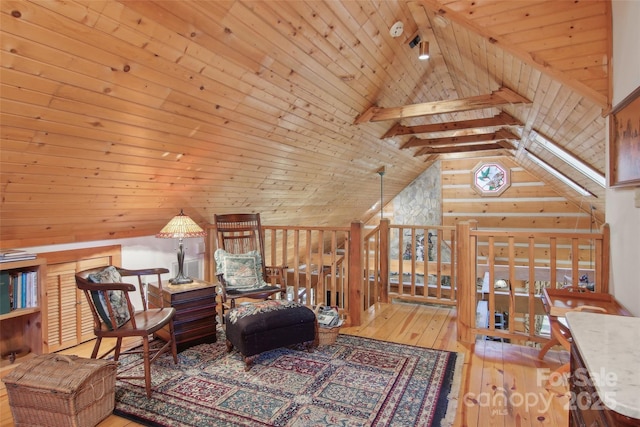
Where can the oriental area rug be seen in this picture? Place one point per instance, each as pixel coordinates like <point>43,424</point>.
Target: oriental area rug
<point>354,382</point>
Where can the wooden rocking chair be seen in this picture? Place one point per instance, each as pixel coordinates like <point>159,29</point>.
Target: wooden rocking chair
<point>240,265</point>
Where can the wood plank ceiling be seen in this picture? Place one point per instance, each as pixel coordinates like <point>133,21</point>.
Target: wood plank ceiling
<point>117,114</point>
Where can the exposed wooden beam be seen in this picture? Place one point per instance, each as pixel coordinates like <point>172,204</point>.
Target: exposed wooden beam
<point>463,148</point>
<point>500,119</point>
<point>471,154</point>
<point>431,158</point>
<point>459,140</point>
<point>499,97</point>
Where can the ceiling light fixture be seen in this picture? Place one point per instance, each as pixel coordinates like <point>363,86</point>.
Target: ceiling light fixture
<point>424,50</point>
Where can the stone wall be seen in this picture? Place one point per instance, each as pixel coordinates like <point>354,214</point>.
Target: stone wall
<point>420,203</point>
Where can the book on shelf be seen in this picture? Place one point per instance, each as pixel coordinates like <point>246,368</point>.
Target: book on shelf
<point>18,290</point>
<point>5,292</point>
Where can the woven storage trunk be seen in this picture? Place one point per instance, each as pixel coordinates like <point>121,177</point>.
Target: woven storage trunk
<point>58,390</point>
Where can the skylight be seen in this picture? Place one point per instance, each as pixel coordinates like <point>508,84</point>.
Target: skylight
<point>569,158</point>
<point>558,175</point>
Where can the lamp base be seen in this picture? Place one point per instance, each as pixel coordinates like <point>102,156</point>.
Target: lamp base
<point>181,280</point>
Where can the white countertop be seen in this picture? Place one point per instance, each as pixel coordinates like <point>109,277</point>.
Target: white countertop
<point>610,349</point>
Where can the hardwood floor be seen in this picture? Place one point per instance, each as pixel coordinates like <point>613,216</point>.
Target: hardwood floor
<point>501,384</point>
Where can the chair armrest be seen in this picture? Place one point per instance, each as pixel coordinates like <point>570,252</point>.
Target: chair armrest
<point>220,277</point>
<point>89,286</point>
<point>143,272</point>
<point>222,287</point>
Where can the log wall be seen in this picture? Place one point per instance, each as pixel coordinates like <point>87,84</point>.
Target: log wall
<point>529,203</point>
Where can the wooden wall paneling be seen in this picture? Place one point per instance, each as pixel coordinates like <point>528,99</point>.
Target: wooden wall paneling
<point>499,206</point>
<point>392,53</point>
<point>291,56</point>
<point>504,28</point>
<point>528,192</point>
<point>527,204</point>
<point>462,39</point>
<point>322,50</point>
<point>523,220</point>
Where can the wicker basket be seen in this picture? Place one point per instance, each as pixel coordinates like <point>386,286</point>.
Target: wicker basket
<point>57,390</point>
<point>325,335</point>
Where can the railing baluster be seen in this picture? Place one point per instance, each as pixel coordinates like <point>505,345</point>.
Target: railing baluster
<point>575,259</point>
<point>491,257</point>
<point>296,264</point>
<point>512,279</point>
<point>553,256</point>
<point>400,263</point>
<point>531,287</point>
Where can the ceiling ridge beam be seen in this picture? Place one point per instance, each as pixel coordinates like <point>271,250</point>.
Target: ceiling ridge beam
<point>501,119</point>
<point>496,98</point>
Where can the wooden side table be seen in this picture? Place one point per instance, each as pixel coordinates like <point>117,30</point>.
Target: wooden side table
<point>195,304</point>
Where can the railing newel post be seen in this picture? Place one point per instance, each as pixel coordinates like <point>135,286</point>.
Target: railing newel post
<point>385,239</point>
<point>356,270</point>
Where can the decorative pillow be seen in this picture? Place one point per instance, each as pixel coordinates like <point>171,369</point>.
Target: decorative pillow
<point>242,272</point>
<point>118,300</point>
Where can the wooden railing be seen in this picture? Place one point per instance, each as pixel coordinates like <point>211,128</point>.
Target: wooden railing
<point>317,261</point>
<point>319,264</point>
<point>489,274</point>
<point>410,262</point>
<point>342,267</point>
<point>501,275</point>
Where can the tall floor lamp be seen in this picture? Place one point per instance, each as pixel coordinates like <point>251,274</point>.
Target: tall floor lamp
<point>180,227</point>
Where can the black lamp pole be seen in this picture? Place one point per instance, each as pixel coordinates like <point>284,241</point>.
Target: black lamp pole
<point>381,173</point>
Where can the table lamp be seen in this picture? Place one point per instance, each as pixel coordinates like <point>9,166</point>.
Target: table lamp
<point>180,227</point>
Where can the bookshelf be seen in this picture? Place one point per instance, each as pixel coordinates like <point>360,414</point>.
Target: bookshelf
<point>21,328</point>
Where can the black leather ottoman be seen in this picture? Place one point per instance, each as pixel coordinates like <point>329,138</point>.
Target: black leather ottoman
<point>267,325</point>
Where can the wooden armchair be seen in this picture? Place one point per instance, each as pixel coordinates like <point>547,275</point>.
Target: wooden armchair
<point>240,265</point>
<point>561,334</point>
<point>115,317</point>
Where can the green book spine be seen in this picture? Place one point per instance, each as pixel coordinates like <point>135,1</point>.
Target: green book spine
<point>5,305</point>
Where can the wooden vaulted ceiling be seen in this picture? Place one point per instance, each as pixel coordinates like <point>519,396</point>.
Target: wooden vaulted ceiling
<point>117,114</point>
